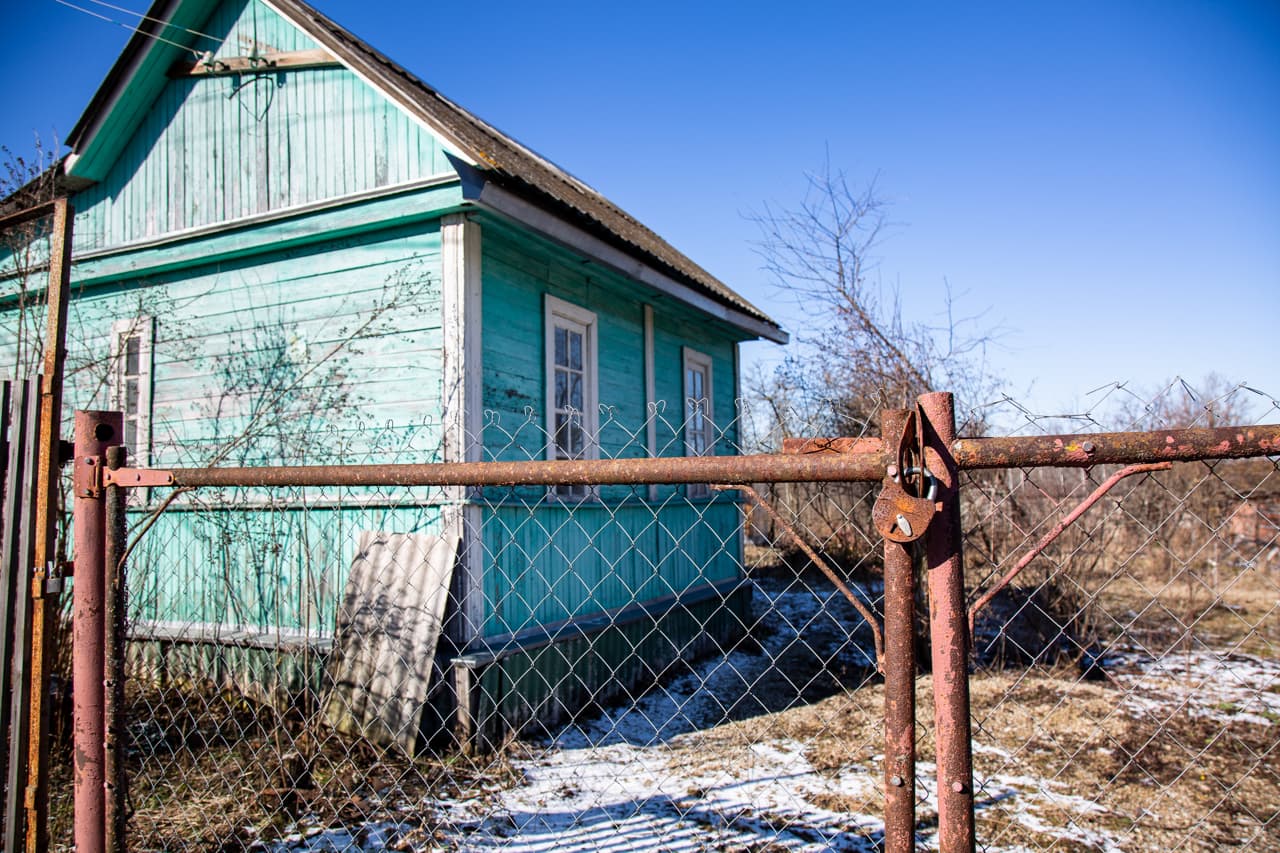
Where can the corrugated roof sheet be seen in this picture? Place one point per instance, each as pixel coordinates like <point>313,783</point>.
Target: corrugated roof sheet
<point>503,159</point>
<point>521,168</point>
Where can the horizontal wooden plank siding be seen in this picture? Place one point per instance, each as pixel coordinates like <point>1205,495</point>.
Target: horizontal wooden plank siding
<point>325,352</point>
<point>280,570</point>
<point>218,149</point>
<point>548,560</point>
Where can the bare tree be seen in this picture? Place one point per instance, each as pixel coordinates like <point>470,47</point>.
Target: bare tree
<point>857,352</point>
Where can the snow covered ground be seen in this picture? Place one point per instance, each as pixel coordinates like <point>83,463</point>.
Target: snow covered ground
<point>710,761</point>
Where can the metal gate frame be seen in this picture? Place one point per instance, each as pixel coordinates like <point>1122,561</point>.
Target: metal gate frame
<point>917,461</point>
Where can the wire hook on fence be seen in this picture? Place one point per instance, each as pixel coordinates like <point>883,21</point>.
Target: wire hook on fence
<point>825,567</point>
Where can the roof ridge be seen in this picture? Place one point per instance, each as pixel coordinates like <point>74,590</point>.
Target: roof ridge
<point>645,240</point>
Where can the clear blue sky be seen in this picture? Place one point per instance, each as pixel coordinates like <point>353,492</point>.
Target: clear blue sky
<point>1105,177</point>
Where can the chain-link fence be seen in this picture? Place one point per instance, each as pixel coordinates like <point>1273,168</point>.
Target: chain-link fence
<point>1126,688</point>
<point>666,664</point>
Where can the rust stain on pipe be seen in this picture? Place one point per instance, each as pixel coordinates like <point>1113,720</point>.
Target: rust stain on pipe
<point>1121,448</point>
<point>863,463</point>
<point>94,432</point>
<point>759,468</point>
<point>948,637</point>
<point>45,608</point>
<point>899,682</point>
<point>1047,540</point>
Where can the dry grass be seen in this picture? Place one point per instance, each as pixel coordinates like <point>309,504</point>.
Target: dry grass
<point>1061,764</point>
<point>216,773</point>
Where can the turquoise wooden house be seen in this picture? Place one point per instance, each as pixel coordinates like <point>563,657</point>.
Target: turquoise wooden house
<point>288,249</point>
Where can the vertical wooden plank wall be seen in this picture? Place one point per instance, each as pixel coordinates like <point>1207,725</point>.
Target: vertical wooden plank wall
<point>216,149</point>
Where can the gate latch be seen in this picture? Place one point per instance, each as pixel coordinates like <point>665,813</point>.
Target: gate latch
<point>907,500</point>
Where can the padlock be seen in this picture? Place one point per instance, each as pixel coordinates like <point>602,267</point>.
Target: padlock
<point>899,516</point>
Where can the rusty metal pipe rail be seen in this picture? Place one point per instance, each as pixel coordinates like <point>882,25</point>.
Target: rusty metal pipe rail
<point>729,470</point>
<point>1117,448</point>
<point>1077,451</point>
<point>814,460</point>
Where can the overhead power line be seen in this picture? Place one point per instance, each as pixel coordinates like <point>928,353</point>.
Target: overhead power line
<point>160,21</point>
<point>133,29</point>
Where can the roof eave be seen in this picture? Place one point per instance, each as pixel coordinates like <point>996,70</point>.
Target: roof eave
<point>485,193</point>
<point>92,149</point>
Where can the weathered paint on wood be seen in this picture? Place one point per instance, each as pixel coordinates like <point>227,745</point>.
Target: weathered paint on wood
<point>326,222</point>
<point>274,343</point>
<point>279,567</point>
<point>548,560</point>
<point>217,149</point>
<point>518,271</point>
<point>331,350</point>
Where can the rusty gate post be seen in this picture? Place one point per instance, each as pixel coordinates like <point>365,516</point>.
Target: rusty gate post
<point>114,652</point>
<point>45,607</point>
<point>94,432</point>
<point>899,676</point>
<point>948,632</point>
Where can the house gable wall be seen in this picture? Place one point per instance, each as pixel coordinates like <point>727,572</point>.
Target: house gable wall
<point>354,321</point>
<point>216,149</point>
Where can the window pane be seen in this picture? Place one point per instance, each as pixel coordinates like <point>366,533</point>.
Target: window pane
<point>132,352</point>
<point>562,390</point>
<point>575,350</point>
<point>562,436</point>
<point>562,358</point>
<point>131,397</point>
<point>575,391</point>
<point>575,439</point>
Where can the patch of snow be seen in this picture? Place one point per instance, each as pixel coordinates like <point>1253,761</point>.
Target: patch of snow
<point>645,775</point>
<point>1226,687</point>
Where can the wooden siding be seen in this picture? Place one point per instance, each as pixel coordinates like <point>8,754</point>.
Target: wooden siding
<point>546,560</point>
<point>282,568</point>
<point>218,149</point>
<point>332,347</point>
<point>518,271</point>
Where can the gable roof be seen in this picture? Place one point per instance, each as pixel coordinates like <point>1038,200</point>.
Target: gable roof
<point>497,156</point>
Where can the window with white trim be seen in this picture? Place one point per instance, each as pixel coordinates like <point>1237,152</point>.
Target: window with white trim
<point>572,412</point>
<point>130,383</point>
<point>699,427</point>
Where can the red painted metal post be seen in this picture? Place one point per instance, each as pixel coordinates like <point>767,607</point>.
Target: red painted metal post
<point>94,432</point>
<point>948,632</point>
<point>899,681</point>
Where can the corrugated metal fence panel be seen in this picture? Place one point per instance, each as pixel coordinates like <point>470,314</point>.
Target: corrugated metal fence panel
<point>389,623</point>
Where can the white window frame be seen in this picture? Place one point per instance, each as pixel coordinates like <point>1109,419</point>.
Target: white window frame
<point>142,328</point>
<point>562,314</point>
<point>692,360</point>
